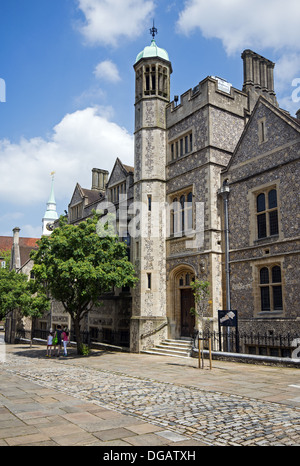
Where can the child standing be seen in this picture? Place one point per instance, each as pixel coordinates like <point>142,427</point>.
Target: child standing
<point>49,343</point>
<point>66,339</point>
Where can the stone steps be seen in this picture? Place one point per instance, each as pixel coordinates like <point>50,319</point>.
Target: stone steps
<point>176,348</point>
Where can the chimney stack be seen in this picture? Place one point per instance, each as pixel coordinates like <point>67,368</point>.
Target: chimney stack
<point>99,179</point>
<point>258,78</point>
<point>15,251</point>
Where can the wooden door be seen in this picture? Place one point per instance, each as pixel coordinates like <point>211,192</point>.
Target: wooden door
<point>187,319</point>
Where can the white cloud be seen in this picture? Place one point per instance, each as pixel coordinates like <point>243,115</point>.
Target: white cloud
<point>268,25</point>
<point>241,24</point>
<point>107,22</point>
<point>108,71</point>
<point>287,68</point>
<point>82,140</point>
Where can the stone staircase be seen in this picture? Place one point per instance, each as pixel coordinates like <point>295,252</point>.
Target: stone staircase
<point>176,348</point>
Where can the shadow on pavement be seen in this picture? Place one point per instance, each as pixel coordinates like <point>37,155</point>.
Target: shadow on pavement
<point>38,352</point>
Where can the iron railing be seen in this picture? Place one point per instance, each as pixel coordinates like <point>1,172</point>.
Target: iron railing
<point>260,343</point>
<point>278,345</point>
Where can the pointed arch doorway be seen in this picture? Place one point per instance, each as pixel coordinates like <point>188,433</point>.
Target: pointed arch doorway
<point>182,300</point>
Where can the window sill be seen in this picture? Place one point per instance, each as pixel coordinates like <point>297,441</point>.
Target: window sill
<point>266,238</point>
<point>279,313</point>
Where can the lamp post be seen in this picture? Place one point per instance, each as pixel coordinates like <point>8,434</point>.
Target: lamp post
<point>224,192</point>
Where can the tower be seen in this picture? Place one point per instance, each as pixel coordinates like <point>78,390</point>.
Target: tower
<point>152,94</point>
<point>50,215</point>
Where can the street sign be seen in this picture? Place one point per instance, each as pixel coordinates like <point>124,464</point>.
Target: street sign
<point>227,318</point>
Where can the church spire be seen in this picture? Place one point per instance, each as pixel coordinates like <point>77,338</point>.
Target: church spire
<point>50,215</point>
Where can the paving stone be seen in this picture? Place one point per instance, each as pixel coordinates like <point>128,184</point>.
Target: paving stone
<point>106,406</point>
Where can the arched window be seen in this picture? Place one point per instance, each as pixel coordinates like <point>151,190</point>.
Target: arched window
<point>267,214</point>
<point>271,288</point>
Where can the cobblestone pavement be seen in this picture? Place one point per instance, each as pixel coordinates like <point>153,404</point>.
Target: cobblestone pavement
<point>203,416</point>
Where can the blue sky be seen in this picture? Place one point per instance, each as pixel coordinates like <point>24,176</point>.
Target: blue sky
<point>67,66</point>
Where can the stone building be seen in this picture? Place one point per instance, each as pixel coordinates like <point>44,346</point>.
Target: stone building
<point>264,222</point>
<point>214,155</point>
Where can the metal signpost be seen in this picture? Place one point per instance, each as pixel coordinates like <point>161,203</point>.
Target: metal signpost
<point>228,319</point>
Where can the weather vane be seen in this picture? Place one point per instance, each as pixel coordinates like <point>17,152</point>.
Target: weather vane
<point>153,30</point>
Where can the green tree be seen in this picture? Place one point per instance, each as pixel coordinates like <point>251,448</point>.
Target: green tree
<point>201,293</point>
<point>16,292</point>
<point>78,263</point>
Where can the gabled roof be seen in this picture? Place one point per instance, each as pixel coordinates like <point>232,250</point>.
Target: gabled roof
<point>90,195</point>
<point>125,169</point>
<point>282,114</point>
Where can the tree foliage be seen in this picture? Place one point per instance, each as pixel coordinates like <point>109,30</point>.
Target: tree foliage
<point>16,292</point>
<point>78,263</point>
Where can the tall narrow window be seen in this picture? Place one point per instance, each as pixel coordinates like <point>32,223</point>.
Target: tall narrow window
<point>262,131</point>
<point>261,217</point>
<point>273,213</point>
<point>264,289</point>
<point>189,211</point>
<point>276,288</point>
<point>182,213</point>
<point>191,142</point>
<point>147,80</point>
<point>271,288</point>
<point>186,144</point>
<point>267,214</point>
<point>149,280</point>
<point>153,80</point>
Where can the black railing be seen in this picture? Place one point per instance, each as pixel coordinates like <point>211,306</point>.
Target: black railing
<point>249,343</point>
<point>242,342</point>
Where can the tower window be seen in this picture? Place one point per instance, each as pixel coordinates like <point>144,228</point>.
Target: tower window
<point>149,280</point>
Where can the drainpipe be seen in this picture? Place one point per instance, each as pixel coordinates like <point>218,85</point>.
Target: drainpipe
<point>224,192</point>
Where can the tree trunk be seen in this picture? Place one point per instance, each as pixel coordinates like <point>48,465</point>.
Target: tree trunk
<point>76,322</point>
